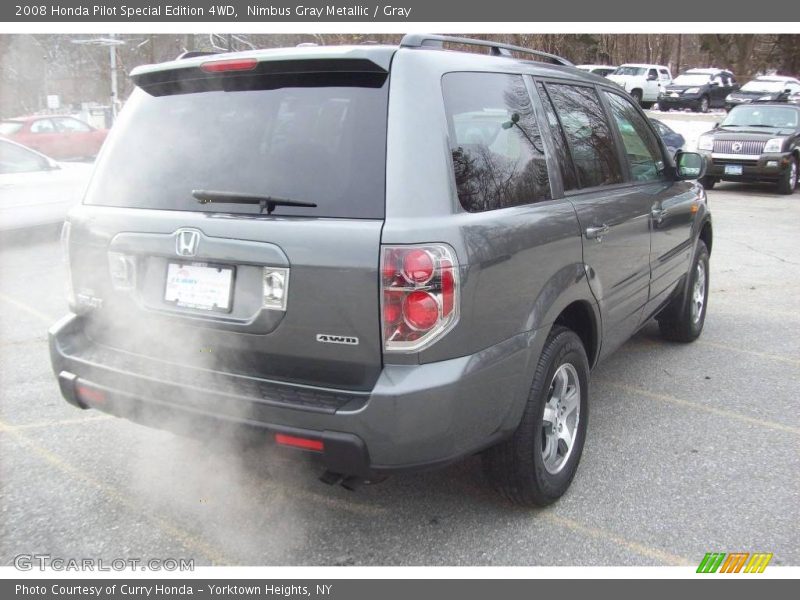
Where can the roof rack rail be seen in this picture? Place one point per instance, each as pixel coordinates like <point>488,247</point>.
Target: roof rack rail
<point>194,53</point>
<point>420,40</point>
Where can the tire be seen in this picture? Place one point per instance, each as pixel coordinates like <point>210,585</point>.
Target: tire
<point>664,108</point>
<point>637,96</point>
<point>788,183</point>
<point>708,182</point>
<point>518,467</point>
<point>647,105</point>
<point>703,106</point>
<point>682,320</point>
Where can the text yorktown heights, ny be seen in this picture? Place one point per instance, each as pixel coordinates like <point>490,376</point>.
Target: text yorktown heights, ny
<point>154,590</point>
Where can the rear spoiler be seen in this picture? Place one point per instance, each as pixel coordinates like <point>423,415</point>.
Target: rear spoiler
<point>198,74</point>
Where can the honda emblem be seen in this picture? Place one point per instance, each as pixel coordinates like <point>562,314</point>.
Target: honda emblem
<point>186,242</point>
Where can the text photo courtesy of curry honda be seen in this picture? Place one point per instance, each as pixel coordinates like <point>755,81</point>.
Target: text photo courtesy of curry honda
<point>337,268</point>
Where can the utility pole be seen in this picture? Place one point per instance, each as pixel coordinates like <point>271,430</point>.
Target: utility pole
<point>112,53</point>
<point>678,64</point>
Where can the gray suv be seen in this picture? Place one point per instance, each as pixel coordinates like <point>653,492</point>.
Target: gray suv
<point>389,257</point>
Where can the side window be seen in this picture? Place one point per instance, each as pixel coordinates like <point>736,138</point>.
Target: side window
<point>72,126</point>
<point>562,157</point>
<point>14,159</point>
<point>43,126</point>
<point>498,155</point>
<point>641,146</point>
<point>588,134</point>
<point>663,74</point>
<point>652,74</point>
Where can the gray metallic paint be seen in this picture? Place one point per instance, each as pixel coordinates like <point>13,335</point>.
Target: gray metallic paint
<point>520,268</point>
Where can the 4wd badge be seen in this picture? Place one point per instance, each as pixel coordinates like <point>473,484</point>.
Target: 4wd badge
<point>337,339</point>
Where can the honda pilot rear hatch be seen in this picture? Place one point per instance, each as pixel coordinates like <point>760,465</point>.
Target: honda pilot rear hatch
<point>233,223</point>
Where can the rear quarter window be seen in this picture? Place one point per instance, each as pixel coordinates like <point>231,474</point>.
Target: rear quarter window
<point>495,141</point>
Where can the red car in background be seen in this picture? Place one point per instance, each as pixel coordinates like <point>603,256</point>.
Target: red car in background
<point>59,137</point>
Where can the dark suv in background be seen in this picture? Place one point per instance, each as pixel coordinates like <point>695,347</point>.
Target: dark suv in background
<point>756,142</point>
<point>698,90</point>
<point>392,257</point>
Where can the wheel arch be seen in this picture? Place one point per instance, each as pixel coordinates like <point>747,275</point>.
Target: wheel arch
<point>580,317</point>
<point>707,235</point>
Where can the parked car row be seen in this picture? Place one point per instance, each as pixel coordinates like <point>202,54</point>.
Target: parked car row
<point>37,184</point>
<point>60,137</point>
<point>695,89</point>
<point>36,190</point>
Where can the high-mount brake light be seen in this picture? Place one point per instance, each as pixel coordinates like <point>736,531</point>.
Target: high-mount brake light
<point>419,295</point>
<point>231,64</point>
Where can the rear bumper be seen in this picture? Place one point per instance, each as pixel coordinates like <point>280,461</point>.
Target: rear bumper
<point>692,102</point>
<point>768,167</point>
<point>416,417</point>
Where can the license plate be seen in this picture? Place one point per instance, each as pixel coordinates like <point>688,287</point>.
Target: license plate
<point>200,286</point>
<point>733,169</point>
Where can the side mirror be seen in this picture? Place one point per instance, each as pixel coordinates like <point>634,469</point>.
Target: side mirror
<point>689,165</point>
<point>715,83</point>
<point>652,77</point>
<point>514,120</point>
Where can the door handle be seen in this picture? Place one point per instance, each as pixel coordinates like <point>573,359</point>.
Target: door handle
<point>596,233</point>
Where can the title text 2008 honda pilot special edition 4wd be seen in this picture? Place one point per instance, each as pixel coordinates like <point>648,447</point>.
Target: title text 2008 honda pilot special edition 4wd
<point>393,257</point>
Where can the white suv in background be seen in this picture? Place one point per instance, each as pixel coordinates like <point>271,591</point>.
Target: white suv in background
<point>642,81</point>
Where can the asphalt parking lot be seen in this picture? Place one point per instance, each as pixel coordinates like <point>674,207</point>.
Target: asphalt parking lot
<point>690,449</point>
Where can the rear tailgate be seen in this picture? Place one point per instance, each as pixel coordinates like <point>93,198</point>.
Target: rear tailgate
<point>291,295</point>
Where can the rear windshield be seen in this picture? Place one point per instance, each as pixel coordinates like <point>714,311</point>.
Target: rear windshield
<point>10,127</point>
<point>317,144</point>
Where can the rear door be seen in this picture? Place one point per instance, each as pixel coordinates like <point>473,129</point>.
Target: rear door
<point>613,216</point>
<point>43,136</point>
<point>225,285</point>
<point>668,203</point>
<point>77,139</point>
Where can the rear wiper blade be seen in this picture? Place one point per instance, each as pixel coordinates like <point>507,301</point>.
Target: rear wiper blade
<point>267,203</point>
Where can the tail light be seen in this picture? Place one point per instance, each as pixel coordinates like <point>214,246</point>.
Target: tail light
<point>419,295</point>
<point>122,269</point>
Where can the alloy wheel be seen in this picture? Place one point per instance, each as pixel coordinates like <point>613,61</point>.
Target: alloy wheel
<point>562,413</point>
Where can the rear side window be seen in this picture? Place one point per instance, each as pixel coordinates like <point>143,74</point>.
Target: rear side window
<point>563,158</point>
<point>641,146</point>
<point>43,126</point>
<point>496,145</point>
<point>588,134</point>
<point>308,138</point>
<point>72,126</point>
